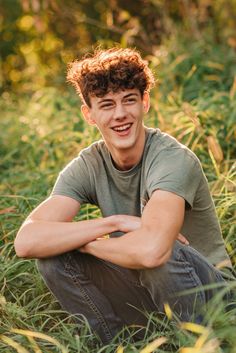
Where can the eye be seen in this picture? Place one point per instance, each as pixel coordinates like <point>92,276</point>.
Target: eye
<point>130,100</point>
<point>106,106</point>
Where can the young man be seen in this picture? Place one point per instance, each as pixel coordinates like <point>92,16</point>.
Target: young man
<point>152,193</point>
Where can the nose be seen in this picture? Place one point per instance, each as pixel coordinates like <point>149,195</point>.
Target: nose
<point>120,111</point>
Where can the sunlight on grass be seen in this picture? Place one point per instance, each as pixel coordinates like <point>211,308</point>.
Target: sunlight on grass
<point>120,349</point>
<point>42,336</point>
<point>10,342</point>
<point>168,311</point>
<point>203,344</point>
<point>154,345</point>
<point>196,103</point>
<point>151,347</point>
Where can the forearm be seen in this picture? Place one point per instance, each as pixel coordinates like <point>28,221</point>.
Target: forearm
<point>135,250</point>
<point>38,239</point>
<point>151,244</point>
<point>112,250</point>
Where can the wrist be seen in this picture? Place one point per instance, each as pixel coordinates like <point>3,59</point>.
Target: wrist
<point>86,248</point>
<point>114,223</point>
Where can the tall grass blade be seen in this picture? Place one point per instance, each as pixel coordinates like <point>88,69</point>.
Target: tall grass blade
<point>43,336</point>
<point>154,345</point>
<point>10,342</point>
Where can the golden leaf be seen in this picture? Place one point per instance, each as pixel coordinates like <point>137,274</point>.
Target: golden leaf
<point>18,347</point>
<point>43,336</point>
<point>215,148</point>
<point>120,349</point>
<point>190,326</point>
<point>168,311</point>
<point>153,345</point>
<point>189,350</point>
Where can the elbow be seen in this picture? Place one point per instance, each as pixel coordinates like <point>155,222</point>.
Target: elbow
<point>156,259</point>
<point>21,249</point>
<point>22,245</point>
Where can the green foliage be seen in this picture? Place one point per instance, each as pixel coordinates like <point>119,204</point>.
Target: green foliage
<point>39,38</point>
<point>42,129</point>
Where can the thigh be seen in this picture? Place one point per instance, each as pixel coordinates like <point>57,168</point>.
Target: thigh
<point>182,281</point>
<point>185,269</point>
<point>121,286</point>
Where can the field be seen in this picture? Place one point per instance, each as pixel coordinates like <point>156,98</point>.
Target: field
<point>195,101</point>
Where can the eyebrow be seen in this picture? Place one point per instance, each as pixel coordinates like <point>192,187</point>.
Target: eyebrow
<point>130,94</point>
<point>106,100</point>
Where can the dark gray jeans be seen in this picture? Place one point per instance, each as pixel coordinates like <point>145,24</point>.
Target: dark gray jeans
<point>111,297</point>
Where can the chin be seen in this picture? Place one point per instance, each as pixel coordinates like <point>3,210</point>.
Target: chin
<point>124,145</point>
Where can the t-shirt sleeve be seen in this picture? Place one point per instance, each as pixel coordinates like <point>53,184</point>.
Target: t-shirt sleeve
<point>177,171</point>
<point>74,181</point>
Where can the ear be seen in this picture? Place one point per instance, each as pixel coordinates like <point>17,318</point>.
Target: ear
<point>86,111</point>
<point>146,101</point>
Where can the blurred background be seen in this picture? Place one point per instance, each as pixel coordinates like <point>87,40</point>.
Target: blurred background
<point>39,37</point>
<point>191,47</point>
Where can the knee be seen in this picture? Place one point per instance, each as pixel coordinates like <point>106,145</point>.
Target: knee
<point>61,266</point>
<point>154,275</point>
<point>49,268</point>
<point>165,272</point>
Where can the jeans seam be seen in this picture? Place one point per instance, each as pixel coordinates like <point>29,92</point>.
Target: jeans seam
<point>69,269</point>
<point>194,279</point>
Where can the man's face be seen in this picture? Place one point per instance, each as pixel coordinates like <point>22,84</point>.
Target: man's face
<point>119,117</point>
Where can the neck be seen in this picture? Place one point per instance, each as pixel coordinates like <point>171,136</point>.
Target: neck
<point>125,159</point>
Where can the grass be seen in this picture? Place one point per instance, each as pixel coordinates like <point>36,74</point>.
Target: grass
<point>195,102</point>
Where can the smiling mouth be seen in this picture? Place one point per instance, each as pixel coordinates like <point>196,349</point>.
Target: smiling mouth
<point>122,128</point>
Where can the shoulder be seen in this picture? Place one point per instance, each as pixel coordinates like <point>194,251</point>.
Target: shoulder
<point>77,180</point>
<point>172,167</point>
<point>89,157</point>
<point>93,151</point>
<point>161,145</point>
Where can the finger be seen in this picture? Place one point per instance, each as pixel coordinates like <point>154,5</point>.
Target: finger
<point>182,239</point>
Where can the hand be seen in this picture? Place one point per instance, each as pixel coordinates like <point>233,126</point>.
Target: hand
<point>86,247</point>
<point>182,239</point>
<point>126,223</point>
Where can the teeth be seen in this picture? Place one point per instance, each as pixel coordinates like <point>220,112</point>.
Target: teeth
<point>122,128</point>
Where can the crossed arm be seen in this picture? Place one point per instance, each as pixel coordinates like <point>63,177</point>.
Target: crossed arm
<point>149,245</point>
<point>148,241</point>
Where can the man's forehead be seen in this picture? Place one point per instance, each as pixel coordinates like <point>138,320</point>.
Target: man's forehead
<point>116,95</point>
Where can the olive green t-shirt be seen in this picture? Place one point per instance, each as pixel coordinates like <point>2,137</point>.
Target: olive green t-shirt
<point>166,165</point>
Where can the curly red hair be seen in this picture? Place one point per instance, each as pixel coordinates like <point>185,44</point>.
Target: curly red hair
<point>110,70</point>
